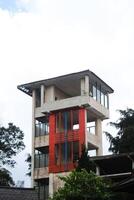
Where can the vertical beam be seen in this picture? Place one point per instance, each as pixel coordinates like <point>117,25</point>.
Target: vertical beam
<point>42,94</point>
<point>65,139</point>
<point>97,170</point>
<point>51,142</point>
<point>51,184</point>
<point>98,132</point>
<point>33,134</point>
<point>87,85</point>
<point>81,129</point>
<point>82,84</point>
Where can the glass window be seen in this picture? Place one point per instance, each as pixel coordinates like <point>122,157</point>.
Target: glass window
<point>57,154</point>
<point>41,129</point>
<point>102,99</point>
<point>75,151</point>
<point>106,101</point>
<point>98,95</point>
<point>43,189</point>
<point>41,160</point>
<point>41,192</point>
<point>36,161</point>
<point>91,127</point>
<point>38,98</point>
<point>91,90</point>
<point>69,150</point>
<point>67,120</point>
<point>75,119</point>
<point>59,122</point>
<point>94,92</point>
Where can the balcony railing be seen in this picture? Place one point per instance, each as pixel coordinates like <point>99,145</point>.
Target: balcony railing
<point>41,129</point>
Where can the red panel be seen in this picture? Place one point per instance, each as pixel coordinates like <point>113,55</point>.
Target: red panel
<point>57,138</point>
<point>51,141</point>
<point>82,124</point>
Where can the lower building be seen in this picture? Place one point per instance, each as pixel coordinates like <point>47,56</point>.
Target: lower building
<point>13,193</point>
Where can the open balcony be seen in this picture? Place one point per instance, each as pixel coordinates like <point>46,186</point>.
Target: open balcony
<point>78,101</point>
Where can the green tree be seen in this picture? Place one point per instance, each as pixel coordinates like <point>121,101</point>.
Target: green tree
<point>5,178</point>
<point>124,140</point>
<point>11,143</point>
<point>81,185</point>
<point>28,160</point>
<point>84,162</point>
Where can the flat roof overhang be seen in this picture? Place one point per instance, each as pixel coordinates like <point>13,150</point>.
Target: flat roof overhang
<point>69,83</point>
<point>117,165</point>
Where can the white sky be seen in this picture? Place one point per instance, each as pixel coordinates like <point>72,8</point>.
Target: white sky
<point>45,38</point>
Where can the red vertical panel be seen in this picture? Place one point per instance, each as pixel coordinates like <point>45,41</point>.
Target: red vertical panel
<point>81,129</point>
<point>57,138</point>
<point>51,142</point>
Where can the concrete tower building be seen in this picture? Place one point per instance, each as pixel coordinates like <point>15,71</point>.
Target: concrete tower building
<point>67,112</point>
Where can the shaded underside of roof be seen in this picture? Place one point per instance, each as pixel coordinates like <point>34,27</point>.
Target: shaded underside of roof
<point>64,82</point>
<point>115,164</point>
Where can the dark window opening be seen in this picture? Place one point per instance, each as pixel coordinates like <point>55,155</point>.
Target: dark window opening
<point>41,127</point>
<point>43,189</point>
<point>38,97</point>
<point>67,121</point>
<point>41,158</point>
<point>66,152</point>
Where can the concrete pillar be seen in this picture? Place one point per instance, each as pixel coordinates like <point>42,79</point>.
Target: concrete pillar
<point>82,84</point>
<point>51,184</point>
<point>33,134</point>
<point>97,170</point>
<point>42,94</point>
<point>98,132</point>
<point>87,85</point>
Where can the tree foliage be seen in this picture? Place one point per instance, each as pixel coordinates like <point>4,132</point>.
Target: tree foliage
<point>124,140</point>
<point>11,143</point>
<point>84,162</point>
<point>81,185</point>
<point>28,160</point>
<point>5,178</point>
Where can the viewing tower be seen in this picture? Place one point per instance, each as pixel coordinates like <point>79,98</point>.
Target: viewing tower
<point>67,112</point>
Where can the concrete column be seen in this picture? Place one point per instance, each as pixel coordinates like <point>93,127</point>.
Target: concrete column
<point>33,134</point>
<point>97,170</point>
<point>42,94</point>
<point>51,184</point>
<point>82,84</point>
<point>98,132</point>
<point>87,85</point>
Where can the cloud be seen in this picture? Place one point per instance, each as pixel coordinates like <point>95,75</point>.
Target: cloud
<point>47,38</point>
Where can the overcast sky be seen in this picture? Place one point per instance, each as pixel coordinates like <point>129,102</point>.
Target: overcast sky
<point>44,38</point>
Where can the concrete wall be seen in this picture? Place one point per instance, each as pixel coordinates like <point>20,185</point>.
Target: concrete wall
<point>7,193</point>
<point>49,94</point>
<point>41,173</point>
<point>59,94</point>
<point>55,182</point>
<point>41,141</point>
